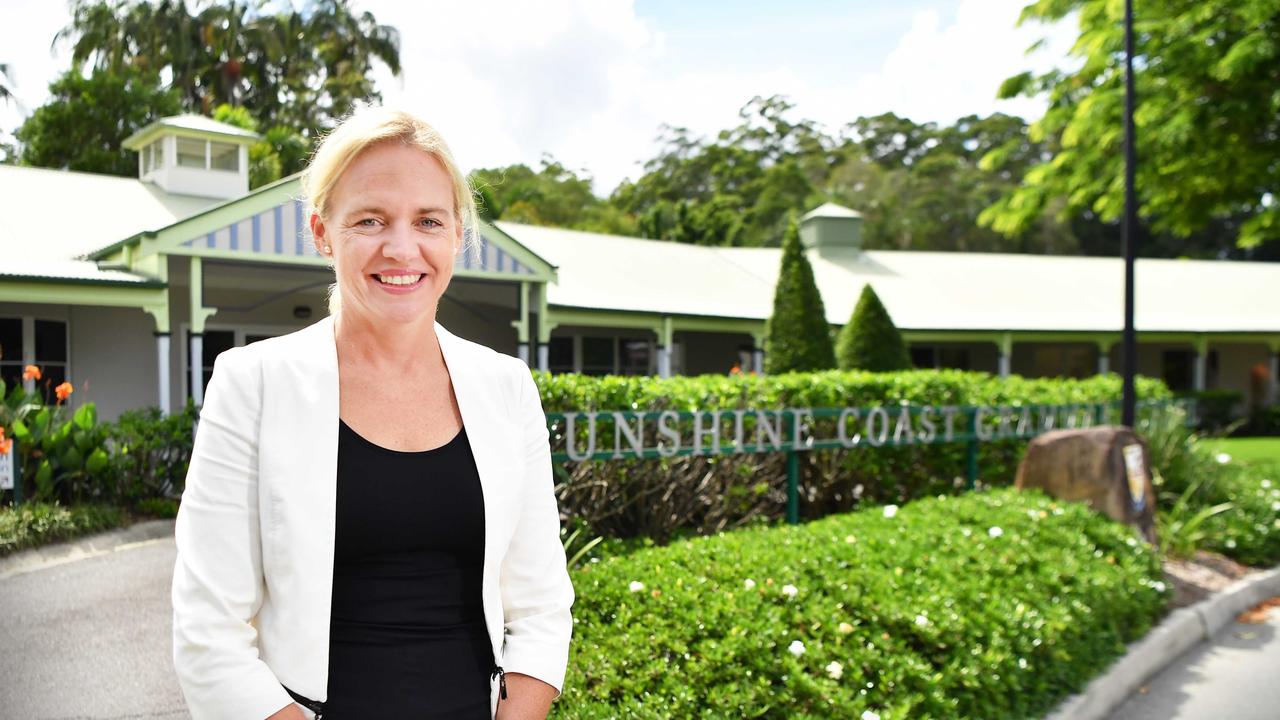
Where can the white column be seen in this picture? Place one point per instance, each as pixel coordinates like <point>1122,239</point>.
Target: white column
<point>522,352</point>
<point>1104,358</point>
<point>757,359</point>
<point>544,357</point>
<point>1006,354</point>
<point>197,368</point>
<point>162,365</point>
<point>664,361</point>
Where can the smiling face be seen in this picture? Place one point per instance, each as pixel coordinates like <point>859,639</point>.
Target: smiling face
<point>394,234</point>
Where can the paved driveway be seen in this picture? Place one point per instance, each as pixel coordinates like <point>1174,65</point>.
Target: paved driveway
<point>90,638</point>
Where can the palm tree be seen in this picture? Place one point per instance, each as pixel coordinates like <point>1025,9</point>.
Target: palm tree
<point>6,85</point>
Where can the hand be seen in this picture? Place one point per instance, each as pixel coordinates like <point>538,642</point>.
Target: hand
<point>292,711</point>
<point>528,698</point>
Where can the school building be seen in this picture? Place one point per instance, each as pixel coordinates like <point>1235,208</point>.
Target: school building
<point>130,287</point>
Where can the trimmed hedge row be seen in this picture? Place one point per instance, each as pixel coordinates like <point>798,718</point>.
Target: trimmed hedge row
<point>657,497</point>
<point>33,524</point>
<point>991,604</point>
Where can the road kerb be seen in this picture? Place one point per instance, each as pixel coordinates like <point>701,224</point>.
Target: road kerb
<point>1182,630</point>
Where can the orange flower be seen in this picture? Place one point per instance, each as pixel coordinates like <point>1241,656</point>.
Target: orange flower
<point>63,391</point>
<point>5,446</point>
<point>30,372</point>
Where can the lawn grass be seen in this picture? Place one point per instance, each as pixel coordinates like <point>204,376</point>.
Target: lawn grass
<point>1255,451</point>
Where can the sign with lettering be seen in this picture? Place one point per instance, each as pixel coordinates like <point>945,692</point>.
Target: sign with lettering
<point>599,435</point>
<point>7,469</point>
<point>1136,470</point>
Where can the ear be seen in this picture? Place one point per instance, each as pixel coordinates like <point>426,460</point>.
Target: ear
<point>319,234</point>
<point>460,234</point>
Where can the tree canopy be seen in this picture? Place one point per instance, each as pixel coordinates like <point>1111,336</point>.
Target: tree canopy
<point>1207,121</point>
<point>302,69</point>
<point>86,119</point>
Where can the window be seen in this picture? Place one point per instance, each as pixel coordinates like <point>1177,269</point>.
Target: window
<point>953,358</point>
<point>155,155</point>
<point>215,343</point>
<point>191,153</point>
<point>224,156</point>
<point>11,352</point>
<point>597,355</point>
<point>560,355</point>
<point>1177,368</point>
<point>923,357</point>
<point>635,357</point>
<point>939,356</point>
<point>43,343</point>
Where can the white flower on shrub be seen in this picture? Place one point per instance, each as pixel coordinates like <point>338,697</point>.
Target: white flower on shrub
<point>1266,484</point>
<point>995,531</point>
<point>921,620</point>
<point>796,648</point>
<point>890,510</point>
<point>966,532</point>
<point>1276,506</point>
<point>834,670</point>
<point>1022,663</point>
<point>790,590</point>
<point>1158,586</point>
<point>1223,458</point>
<point>749,584</point>
<point>1231,543</point>
<point>636,586</point>
<point>868,715</point>
<point>845,628</point>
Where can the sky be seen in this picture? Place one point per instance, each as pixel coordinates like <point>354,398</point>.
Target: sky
<point>591,82</point>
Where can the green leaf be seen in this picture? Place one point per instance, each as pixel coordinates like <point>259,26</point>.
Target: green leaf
<point>97,462</point>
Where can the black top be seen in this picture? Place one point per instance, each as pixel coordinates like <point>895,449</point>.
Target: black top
<point>407,633</point>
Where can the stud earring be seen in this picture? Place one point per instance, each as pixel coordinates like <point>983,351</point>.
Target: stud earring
<point>328,250</point>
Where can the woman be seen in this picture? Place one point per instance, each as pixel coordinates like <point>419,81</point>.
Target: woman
<point>368,528</point>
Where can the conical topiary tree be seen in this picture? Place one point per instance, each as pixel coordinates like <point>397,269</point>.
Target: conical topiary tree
<point>870,341</point>
<point>797,337</point>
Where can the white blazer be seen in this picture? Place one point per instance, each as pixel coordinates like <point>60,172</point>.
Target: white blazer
<point>255,531</point>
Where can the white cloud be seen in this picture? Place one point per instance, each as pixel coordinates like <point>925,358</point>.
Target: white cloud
<point>590,81</point>
<point>941,72</point>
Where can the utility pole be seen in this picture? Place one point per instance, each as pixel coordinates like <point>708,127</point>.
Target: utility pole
<point>1129,229</point>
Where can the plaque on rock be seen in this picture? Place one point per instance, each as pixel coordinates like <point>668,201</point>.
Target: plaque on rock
<point>1108,467</point>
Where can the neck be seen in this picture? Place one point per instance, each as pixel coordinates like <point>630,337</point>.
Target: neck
<point>410,347</point>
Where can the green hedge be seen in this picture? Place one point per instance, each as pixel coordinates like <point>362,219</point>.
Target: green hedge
<point>659,497</point>
<point>33,524</point>
<point>930,614</point>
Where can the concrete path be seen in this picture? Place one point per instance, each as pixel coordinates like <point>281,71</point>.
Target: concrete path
<point>1236,675</point>
<point>89,637</point>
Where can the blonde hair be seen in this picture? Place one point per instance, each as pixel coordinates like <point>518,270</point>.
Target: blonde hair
<point>363,128</point>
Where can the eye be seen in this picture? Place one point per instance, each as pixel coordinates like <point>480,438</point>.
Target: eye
<point>431,222</point>
<point>366,222</point>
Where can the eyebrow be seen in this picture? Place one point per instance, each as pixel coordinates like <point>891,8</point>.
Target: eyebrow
<point>374,210</point>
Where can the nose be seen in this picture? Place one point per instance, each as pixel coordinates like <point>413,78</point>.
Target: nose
<point>399,243</point>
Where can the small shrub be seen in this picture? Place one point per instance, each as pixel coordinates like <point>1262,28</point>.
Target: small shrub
<point>993,604</point>
<point>165,508</point>
<point>797,336</point>
<point>33,524</point>
<point>150,452</point>
<point>870,341</point>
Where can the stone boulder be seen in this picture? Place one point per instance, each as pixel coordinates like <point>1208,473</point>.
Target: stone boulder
<point>1108,467</point>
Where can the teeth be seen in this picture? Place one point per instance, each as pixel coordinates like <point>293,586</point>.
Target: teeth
<point>399,279</point>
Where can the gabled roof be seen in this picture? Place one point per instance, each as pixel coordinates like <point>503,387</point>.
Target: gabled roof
<point>922,290</point>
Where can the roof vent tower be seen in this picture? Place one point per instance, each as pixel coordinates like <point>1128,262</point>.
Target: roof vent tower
<point>831,228</point>
<point>193,155</point>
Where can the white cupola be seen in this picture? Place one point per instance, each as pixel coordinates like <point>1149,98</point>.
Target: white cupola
<point>194,155</point>
<point>831,229</point>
